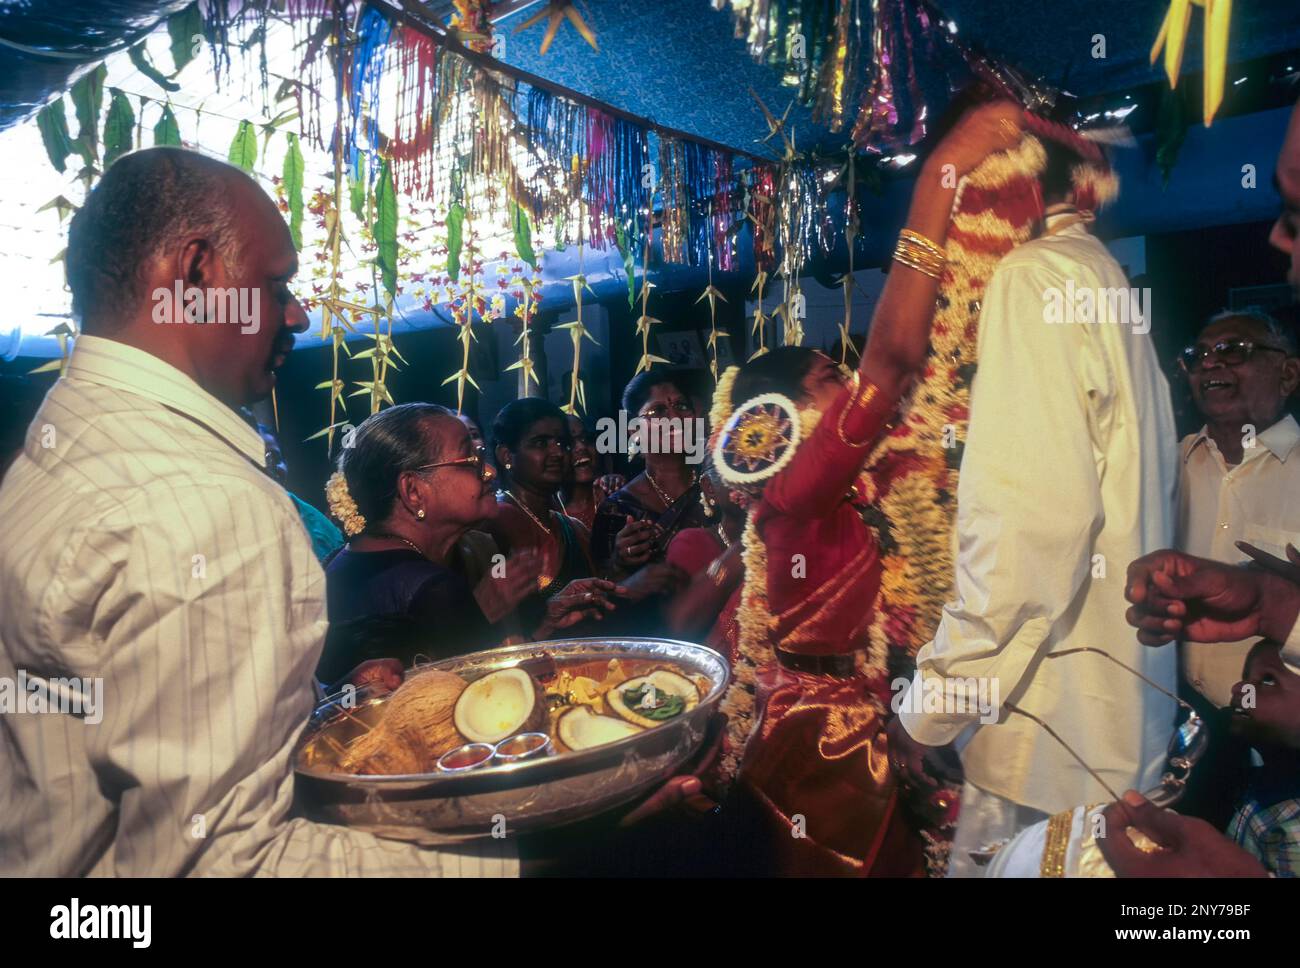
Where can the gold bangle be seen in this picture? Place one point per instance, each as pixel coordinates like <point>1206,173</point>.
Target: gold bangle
<point>928,244</point>
<point>917,252</point>
<point>931,269</point>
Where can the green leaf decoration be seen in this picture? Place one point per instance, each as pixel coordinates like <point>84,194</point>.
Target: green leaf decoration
<point>167,131</point>
<point>357,195</point>
<point>119,127</point>
<point>87,99</point>
<point>629,264</point>
<point>243,150</point>
<point>183,28</point>
<point>385,228</point>
<point>292,182</point>
<point>455,238</point>
<point>139,55</point>
<point>53,123</point>
<point>523,234</point>
<point>61,205</point>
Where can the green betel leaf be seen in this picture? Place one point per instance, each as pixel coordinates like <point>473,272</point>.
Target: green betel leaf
<point>243,150</point>
<point>292,175</point>
<point>385,228</point>
<point>357,197</point>
<point>455,229</point>
<point>167,131</point>
<point>119,126</point>
<point>53,123</point>
<point>87,100</point>
<point>523,234</point>
<point>139,55</point>
<point>629,266</point>
<point>186,31</point>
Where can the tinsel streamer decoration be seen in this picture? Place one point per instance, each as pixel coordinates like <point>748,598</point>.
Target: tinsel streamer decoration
<point>762,214</point>
<point>414,137</point>
<point>365,70</point>
<point>723,202</point>
<point>674,200</point>
<point>833,87</point>
<point>915,68</point>
<point>851,225</point>
<point>313,23</point>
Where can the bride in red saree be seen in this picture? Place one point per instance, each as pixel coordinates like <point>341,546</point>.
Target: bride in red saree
<point>813,791</point>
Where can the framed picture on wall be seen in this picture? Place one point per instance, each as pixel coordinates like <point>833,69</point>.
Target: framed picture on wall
<point>683,348</point>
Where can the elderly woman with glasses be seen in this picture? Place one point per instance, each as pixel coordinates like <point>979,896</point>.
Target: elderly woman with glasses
<point>407,490</point>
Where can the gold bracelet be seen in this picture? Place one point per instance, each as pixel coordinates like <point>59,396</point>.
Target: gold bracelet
<point>917,252</point>
<point>928,244</point>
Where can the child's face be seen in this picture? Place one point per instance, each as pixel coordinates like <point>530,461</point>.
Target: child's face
<point>1266,703</point>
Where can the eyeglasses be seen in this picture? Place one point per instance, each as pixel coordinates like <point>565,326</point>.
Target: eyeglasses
<point>477,460</point>
<point>1230,352</point>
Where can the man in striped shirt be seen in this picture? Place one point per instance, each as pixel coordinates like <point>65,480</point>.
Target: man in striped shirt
<point>152,563</point>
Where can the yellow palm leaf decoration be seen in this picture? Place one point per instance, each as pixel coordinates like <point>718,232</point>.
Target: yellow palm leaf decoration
<point>1173,37</point>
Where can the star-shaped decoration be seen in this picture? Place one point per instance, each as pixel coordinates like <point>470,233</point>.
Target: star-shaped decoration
<point>556,12</point>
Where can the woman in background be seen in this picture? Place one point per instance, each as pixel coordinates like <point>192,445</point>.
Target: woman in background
<point>532,446</point>
<point>584,490</point>
<point>406,491</point>
<point>634,525</point>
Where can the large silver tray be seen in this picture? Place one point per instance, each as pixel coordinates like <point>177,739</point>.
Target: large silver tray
<point>433,808</point>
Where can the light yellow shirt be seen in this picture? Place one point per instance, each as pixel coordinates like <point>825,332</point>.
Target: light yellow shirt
<point>147,550</point>
<point>1257,501</point>
<point>1068,474</point>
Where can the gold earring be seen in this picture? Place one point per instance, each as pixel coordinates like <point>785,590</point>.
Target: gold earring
<point>420,514</point>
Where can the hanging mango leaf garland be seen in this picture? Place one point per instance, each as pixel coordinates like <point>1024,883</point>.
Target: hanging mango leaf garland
<point>139,55</point>
<point>292,182</point>
<point>523,234</point>
<point>87,100</point>
<point>243,149</point>
<point>629,263</point>
<point>186,32</point>
<point>166,131</point>
<point>52,120</point>
<point>455,239</point>
<point>385,228</point>
<point>119,126</point>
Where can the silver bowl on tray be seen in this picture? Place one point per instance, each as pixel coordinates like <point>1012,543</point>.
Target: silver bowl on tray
<point>529,795</point>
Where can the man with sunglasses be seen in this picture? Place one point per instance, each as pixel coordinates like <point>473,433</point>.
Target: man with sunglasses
<point>1239,475</point>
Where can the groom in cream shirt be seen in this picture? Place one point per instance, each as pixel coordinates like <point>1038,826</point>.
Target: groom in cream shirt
<point>1068,474</point>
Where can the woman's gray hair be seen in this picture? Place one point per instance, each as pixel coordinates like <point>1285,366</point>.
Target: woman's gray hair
<point>384,446</point>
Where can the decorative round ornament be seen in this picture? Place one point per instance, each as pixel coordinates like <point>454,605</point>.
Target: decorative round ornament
<point>758,440</point>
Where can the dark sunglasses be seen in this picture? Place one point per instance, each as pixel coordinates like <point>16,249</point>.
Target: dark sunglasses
<point>1230,352</point>
<point>477,460</point>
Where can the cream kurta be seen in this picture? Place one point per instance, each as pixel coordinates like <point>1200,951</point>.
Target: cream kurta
<point>1257,501</point>
<point>146,549</point>
<point>1068,474</point>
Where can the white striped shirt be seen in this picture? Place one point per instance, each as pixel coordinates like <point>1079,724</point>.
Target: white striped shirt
<point>146,548</point>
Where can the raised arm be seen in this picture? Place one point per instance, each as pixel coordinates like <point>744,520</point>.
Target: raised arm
<point>900,327</point>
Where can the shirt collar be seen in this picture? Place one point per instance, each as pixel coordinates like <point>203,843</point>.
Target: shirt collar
<point>1279,440</point>
<point>112,364</point>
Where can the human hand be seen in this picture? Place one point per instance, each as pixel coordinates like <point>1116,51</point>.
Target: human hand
<point>921,767</point>
<point>386,673</point>
<point>584,598</point>
<point>1189,847</point>
<point>982,130</point>
<point>658,578</point>
<point>497,596</point>
<point>1175,595</point>
<point>635,543</point>
<point>604,486</point>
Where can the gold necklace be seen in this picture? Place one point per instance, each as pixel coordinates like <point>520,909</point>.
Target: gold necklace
<point>398,537</point>
<point>663,496</point>
<point>722,533</point>
<point>528,511</point>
